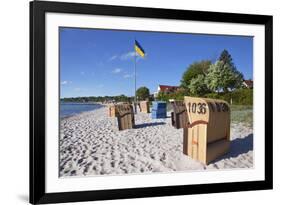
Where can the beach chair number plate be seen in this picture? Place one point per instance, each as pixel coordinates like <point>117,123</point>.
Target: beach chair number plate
<point>201,108</point>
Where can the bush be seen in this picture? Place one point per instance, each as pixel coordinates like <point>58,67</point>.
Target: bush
<point>242,97</point>
<point>178,95</point>
<point>239,96</point>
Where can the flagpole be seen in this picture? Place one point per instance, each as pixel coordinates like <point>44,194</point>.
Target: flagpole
<point>135,78</point>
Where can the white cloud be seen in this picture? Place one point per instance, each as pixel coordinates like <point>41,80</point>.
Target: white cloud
<point>128,76</point>
<point>131,55</point>
<point>101,85</point>
<point>117,70</point>
<point>127,56</point>
<point>113,58</point>
<point>65,82</point>
<point>77,89</point>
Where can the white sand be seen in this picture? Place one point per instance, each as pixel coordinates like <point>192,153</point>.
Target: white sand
<point>90,144</point>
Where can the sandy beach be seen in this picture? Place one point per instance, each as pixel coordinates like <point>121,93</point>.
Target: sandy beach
<point>91,144</point>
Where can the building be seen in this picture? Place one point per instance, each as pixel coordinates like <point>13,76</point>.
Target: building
<point>248,84</point>
<point>166,89</point>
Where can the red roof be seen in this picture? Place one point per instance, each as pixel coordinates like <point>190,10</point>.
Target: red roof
<point>249,83</point>
<point>167,87</point>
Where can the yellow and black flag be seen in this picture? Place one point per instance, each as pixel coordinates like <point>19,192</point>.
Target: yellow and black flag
<point>139,49</point>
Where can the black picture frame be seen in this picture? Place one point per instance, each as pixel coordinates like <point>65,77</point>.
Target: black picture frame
<point>37,191</point>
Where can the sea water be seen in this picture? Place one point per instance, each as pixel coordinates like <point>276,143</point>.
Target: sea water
<point>70,109</point>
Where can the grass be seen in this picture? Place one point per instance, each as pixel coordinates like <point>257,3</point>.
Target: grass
<point>242,114</point>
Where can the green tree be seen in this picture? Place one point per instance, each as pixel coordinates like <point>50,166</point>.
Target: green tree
<point>197,86</point>
<point>226,58</point>
<point>179,94</point>
<point>142,93</point>
<point>162,96</point>
<point>222,76</point>
<point>193,70</point>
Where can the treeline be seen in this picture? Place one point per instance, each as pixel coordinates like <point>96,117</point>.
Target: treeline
<point>103,99</point>
<point>240,96</point>
<point>178,95</point>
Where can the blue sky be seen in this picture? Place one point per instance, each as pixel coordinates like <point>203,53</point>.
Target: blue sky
<point>101,62</point>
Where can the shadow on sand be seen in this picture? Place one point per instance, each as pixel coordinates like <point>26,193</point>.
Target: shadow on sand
<point>149,124</point>
<point>237,147</point>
